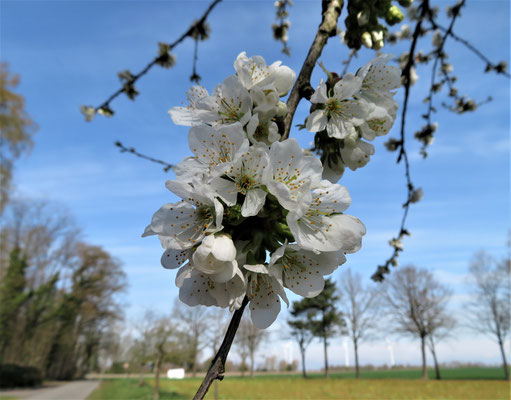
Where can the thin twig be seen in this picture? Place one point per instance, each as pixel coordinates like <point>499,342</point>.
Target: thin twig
<point>217,368</point>
<point>189,32</point>
<point>438,55</point>
<point>384,269</point>
<point>353,53</point>
<point>124,149</point>
<point>302,88</point>
<point>472,48</point>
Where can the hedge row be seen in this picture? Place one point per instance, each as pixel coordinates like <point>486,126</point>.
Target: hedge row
<point>12,375</point>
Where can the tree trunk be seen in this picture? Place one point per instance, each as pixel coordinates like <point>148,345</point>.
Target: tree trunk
<point>423,351</point>
<point>325,345</point>
<point>252,364</point>
<point>194,365</point>
<point>357,367</point>
<point>504,360</point>
<point>435,360</point>
<point>216,389</point>
<point>141,375</point>
<point>304,371</point>
<point>157,378</point>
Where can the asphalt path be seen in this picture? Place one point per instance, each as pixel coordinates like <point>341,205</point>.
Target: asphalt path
<point>78,390</point>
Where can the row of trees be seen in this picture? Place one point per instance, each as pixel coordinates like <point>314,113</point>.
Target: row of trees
<point>412,303</point>
<point>180,338</point>
<point>57,293</point>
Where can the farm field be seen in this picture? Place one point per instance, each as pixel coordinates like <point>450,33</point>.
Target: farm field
<point>460,383</point>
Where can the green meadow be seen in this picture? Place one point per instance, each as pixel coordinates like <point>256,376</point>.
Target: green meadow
<point>459,383</point>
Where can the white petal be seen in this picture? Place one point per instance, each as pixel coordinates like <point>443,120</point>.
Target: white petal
<point>320,95</point>
<point>172,259</point>
<point>223,248</point>
<point>316,121</point>
<point>254,201</point>
<point>264,307</point>
<point>259,268</point>
<point>284,78</point>
<point>307,279</point>
<point>227,273</point>
<point>195,290</point>
<point>189,169</point>
<point>347,87</point>
<point>148,231</point>
<point>226,190</point>
<point>350,231</point>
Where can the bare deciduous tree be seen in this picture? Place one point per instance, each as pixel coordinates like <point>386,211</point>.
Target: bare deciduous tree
<point>249,339</point>
<point>417,305</point>
<point>195,324</point>
<point>489,308</point>
<point>161,336</point>
<point>302,331</point>
<point>358,305</point>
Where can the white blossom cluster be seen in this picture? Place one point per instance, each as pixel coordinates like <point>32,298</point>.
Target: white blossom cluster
<point>355,108</point>
<point>256,216</point>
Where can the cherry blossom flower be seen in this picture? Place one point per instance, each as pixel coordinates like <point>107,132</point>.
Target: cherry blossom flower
<point>245,176</point>
<point>302,271</point>
<point>356,155</point>
<point>271,191</point>
<point>322,226</point>
<point>264,292</point>
<point>378,80</point>
<point>197,288</point>
<point>229,103</point>
<point>293,171</point>
<point>215,148</point>
<point>190,115</point>
<point>184,224</point>
<point>339,114</point>
<point>216,256</point>
<point>254,72</point>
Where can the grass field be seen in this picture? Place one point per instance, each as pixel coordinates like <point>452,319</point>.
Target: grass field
<point>460,383</point>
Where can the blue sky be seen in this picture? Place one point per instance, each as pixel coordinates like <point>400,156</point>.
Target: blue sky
<point>68,53</point>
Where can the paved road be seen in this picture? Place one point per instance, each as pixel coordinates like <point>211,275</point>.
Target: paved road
<point>78,390</point>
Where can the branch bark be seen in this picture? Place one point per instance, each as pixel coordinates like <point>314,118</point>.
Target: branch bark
<point>217,368</point>
<point>302,88</point>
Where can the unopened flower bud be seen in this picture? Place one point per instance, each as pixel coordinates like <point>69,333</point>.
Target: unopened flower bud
<point>437,38</point>
<point>88,112</point>
<point>363,17</point>
<point>405,3</point>
<point>378,45</point>
<point>394,15</point>
<point>447,68</point>
<point>377,35</point>
<point>405,32</point>
<point>281,109</point>
<point>416,195</point>
<point>366,40</point>
<point>392,144</point>
<point>397,244</point>
<point>351,139</point>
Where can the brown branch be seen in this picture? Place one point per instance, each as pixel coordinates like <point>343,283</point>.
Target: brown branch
<point>188,33</point>
<point>217,368</point>
<point>302,87</point>
<point>384,269</point>
<point>124,149</point>
<point>474,50</point>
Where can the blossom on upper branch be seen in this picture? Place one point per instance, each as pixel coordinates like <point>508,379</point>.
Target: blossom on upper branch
<point>339,114</point>
<point>255,217</point>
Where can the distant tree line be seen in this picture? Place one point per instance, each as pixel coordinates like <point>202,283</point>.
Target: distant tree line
<point>411,302</point>
<point>57,292</point>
